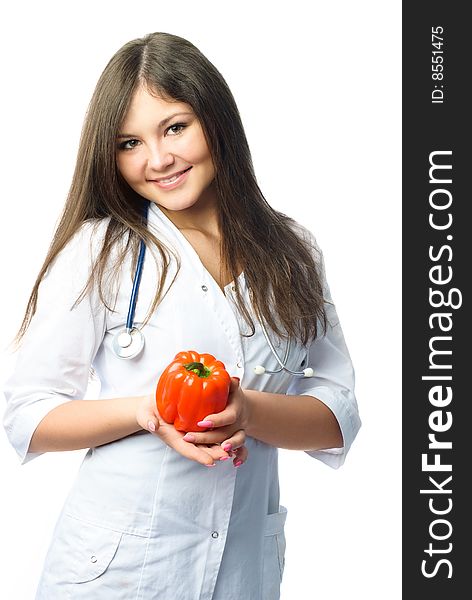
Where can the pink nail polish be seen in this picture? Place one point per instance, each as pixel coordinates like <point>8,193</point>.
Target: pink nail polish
<point>224,458</point>
<point>188,437</point>
<point>238,463</point>
<point>205,423</point>
<point>212,465</point>
<point>227,447</point>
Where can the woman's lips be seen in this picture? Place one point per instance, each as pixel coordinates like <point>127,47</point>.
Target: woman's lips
<point>169,183</point>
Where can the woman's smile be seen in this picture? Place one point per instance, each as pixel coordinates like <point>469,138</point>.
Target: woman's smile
<point>171,182</point>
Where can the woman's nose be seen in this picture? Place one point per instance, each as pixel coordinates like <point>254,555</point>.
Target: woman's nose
<point>159,157</point>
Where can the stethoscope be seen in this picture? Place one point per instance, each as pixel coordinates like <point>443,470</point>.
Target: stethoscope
<point>260,370</point>
<point>129,342</point>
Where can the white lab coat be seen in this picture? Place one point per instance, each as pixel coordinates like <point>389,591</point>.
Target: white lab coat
<point>141,521</point>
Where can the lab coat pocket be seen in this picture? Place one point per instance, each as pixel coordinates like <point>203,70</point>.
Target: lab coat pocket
<point>80,552</point>
<point>274,554</point>
<point>93,549</point>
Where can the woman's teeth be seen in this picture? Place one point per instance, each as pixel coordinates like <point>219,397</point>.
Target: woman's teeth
<point>171,179</point>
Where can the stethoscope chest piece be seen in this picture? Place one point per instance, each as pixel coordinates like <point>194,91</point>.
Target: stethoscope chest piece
<point>128,343</point>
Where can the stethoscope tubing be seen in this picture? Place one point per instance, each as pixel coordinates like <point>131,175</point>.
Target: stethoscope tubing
<point>135,289</point>
<point>282,362</point>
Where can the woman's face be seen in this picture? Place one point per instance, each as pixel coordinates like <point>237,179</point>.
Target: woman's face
<point>162,153</point>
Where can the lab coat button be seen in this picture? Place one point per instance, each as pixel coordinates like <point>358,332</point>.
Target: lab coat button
<point>204,288</point>
<point>93,559</point>
<point>239,365</point>
<point>214,535</point>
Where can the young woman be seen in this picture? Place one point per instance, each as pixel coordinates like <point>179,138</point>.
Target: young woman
<point>166,240</point>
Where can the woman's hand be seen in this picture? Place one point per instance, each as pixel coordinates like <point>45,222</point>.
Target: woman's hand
<point>228,426</point>
<point>148,417</point>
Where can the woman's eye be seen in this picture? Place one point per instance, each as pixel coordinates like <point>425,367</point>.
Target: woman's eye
<point>175,129</point>
<point>128,144</point>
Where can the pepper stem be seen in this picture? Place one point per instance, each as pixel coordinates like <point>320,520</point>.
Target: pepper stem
<point>198,368</point>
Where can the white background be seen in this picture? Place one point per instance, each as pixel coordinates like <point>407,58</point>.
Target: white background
<point>318,87</point>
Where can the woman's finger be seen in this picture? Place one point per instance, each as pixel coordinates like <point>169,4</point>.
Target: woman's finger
<point>215,451</point>
<point>174,439</point>
<point>241,455</point>
<point>235,441</point>
<point>201,454</point>
<point>228,415</point>
<point>214,436</point>
<point>146,414</point>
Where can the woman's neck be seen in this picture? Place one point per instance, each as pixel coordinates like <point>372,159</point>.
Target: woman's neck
<point>202,216</point>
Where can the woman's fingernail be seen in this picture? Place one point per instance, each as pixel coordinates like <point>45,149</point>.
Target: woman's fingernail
<point>237,379</point>
<point>212,465</point>
<point>188,437</point>
<point>224,458</point>
<point>238,463</point>
<point>205,423</point>
<point>151,426</point>
<point>227,447</point>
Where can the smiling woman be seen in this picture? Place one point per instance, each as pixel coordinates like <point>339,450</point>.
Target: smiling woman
<point>166,150</point>
<point>164,165</point>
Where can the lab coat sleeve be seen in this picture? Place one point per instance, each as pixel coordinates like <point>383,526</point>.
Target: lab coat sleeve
<point>54,359</point>
<point>333,380</point>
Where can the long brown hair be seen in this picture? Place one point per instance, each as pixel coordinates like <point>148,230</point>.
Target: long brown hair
<point>279,266</point>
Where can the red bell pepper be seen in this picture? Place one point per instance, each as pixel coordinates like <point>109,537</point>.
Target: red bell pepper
<point>193,386</point>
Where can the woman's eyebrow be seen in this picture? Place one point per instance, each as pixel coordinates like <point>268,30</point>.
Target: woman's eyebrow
<point>161,124</point>
<point>167,119</point>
